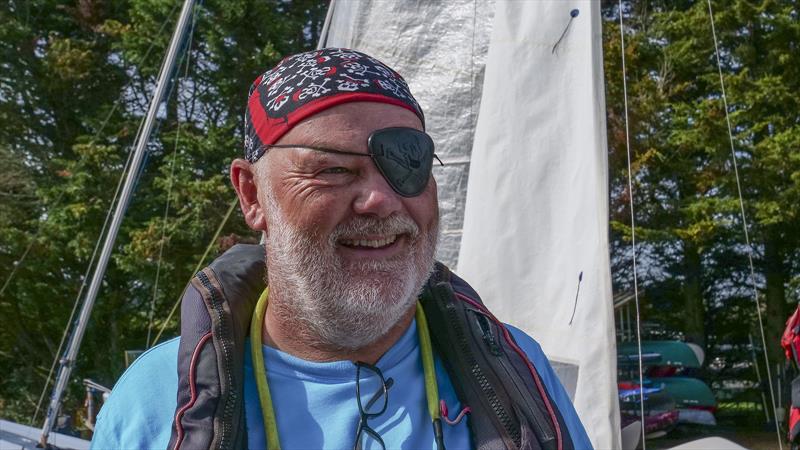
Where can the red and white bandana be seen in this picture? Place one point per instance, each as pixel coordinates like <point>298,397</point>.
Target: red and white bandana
<point>307,83</point>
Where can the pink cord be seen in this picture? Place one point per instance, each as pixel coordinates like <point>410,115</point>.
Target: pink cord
<point>192,389</point>
<point>443,410</point>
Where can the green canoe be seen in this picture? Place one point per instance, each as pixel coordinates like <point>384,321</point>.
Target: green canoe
<point>670,353</point>
<point>687,392</point>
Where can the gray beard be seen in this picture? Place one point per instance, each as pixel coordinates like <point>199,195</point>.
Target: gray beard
<point>337,305</point>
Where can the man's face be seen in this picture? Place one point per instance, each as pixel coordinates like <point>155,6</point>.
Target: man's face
<point>348,254</point>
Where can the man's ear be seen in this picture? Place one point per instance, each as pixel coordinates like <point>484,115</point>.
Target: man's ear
<point>243,179</point>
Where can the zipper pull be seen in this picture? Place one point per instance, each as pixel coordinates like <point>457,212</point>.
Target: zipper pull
<point>488,337</point>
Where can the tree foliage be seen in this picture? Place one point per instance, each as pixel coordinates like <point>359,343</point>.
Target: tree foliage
<point>75,83</point>
<point>693,252</point>
<point>77,77</point>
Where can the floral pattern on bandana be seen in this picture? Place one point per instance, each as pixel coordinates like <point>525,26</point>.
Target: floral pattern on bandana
<point>306,83</point>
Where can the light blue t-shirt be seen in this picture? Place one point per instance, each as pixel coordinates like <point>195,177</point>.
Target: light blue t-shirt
<point>315,404</point>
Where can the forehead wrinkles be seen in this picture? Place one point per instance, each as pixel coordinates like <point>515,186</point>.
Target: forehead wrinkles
<point>277,161</point>
<point>345,135</point>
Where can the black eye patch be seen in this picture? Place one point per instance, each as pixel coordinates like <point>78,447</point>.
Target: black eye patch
<point>404,156</point>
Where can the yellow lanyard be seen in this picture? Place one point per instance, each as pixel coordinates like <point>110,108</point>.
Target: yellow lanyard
<point>265,399</point>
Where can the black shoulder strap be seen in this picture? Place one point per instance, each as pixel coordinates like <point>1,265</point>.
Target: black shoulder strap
<point>215,318</point>
<point>510,407</point>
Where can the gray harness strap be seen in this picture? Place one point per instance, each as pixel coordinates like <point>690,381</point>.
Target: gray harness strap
<point>215,318</point>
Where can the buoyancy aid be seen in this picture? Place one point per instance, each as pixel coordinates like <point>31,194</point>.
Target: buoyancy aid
<point>790,341</point>
<point>510,407</point>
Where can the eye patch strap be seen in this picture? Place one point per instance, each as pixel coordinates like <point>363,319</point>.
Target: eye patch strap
<point>403,164</point>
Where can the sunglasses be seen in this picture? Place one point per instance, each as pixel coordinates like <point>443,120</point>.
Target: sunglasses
<point>404,156</point>
<point>366,436</point>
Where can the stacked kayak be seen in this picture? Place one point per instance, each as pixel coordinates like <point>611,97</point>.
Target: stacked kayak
<point>694,399</point>
<point>674,354</point>
<point>671,394</point>
<point>661,415</point>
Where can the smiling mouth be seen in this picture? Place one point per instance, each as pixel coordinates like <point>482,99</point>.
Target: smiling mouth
<point>369,243</point>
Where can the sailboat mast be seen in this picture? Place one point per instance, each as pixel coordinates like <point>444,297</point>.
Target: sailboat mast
<point>67,363</point>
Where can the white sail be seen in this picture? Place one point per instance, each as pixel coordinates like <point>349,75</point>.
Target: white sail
<point>536,211</point>
<point>15,436</point>
<point>440,49</point>
<point>536,218</point>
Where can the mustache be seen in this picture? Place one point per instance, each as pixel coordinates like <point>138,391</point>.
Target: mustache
<point>364,225</point>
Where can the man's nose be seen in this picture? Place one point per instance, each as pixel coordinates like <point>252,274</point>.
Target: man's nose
<point>376,197</point>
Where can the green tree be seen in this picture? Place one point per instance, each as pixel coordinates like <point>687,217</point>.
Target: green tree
<point>686,195</point>
<point>76,81</point>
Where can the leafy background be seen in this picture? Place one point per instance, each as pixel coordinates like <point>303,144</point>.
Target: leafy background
<point>75,83</point>
<point>694,269</point>
<point>76,79</point>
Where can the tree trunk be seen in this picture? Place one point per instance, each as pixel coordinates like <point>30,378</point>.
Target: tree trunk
<point>777,310</point>
<point>693,296</point>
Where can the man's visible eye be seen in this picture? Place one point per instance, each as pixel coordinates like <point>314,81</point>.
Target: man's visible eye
<point>336,170</point>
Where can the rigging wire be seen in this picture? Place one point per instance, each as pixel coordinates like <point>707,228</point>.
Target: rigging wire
<point>326,26</point>
<point>103,229</point>
<point>141,61</point>
<point>745,226</point>
<point>472,119</point>
<point>75,304</point>
<point>211,243</point>
<point>321,44</point>
<point>96,135</point>
<point>18,263</point>
<point>758,376</point>
<point>633,226</point>
<point>170,183</point>
<point>66,365</point>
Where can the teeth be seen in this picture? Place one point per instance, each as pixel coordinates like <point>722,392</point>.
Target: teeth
<point>370,243</point>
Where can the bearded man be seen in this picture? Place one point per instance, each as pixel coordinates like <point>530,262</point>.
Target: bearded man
<point>359,339</point>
